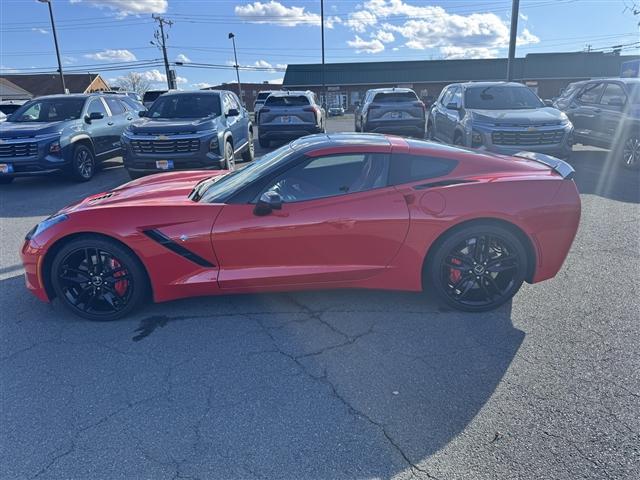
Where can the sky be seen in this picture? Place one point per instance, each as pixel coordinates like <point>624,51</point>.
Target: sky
<point>112,37</point>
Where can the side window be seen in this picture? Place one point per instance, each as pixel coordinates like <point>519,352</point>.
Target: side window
<point>226,103</point>
<point>590,93</point>
<point>613,95</point>
<point>456,97</point>
<point>233,103</point>
<point>331,176</point>
<point>407,168</point>
<point>96,105</point>
<point>446,96</point>
<point>114,105</point>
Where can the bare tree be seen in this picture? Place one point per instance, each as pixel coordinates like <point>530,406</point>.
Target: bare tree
<point>134,82</point>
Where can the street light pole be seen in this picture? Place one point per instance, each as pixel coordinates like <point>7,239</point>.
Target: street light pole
<point>55,41</point>
<point>237,67</point>
<point>324,86</point>
<point>515,11</point>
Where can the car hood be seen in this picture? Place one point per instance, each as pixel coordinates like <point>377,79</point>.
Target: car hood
<point>537,116</point>
<point>168,189</point>
<point>171,125</point>
<point>29,129</point>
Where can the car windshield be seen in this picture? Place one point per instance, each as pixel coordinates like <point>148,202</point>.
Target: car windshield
<point>288,101</point>
<point>501,97</point>
<point>185,106</point>
<point>395,97</point>
<point>49,110</point>
<point>219,189</point>
<point>151,95</point>
<point>263,96</point>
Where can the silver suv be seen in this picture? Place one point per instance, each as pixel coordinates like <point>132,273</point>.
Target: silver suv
<point>391,110</point>
<point>287,115</point>
<point>500,117</point>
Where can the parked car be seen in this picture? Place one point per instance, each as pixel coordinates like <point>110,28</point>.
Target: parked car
<point>500,117</point>
<point>336,111</point>
<point>204,129</point>
<point>150,96</point>
<point>132,104</point>
<point>391,110</point>
<point>260,99</point>
<point>325,211</point>
<point>62,133</point>
<point>606,113</point>
<point>134,95</point>
<point>9,106</point>
<point>289,114</point>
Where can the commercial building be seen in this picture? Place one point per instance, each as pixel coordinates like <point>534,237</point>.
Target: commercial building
<point>36,85</point>
<point>546,73</point>
<point>249,90</point>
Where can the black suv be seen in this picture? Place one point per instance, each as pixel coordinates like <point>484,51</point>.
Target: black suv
<point>62,133</point>
<point>606,113</point>
<point>391,110</point>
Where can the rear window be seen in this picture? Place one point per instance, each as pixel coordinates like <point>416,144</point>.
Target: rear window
<point>407,168</point>
<point>288,101</point>
<point>395,97</point>
<point>152,95</point>
<point>263,95</point>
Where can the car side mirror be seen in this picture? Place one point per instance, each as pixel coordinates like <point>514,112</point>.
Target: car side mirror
<point>142,113</point>
<point>548,102</point>
<point>269,201</point>
<point>453,106</point>
<point>94,116</point>
<point>233,112</point>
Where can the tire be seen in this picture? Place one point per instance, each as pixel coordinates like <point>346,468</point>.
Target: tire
<point>264,143</point>
<point>476,280</point>
<point>229,156</point>
<point>98,279</point>
<point>83,164</point>
<point>6,180</point>
<point>630,152</point>
<point>249,154</point>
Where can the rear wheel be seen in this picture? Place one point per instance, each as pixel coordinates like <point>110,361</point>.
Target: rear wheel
<point>6,180</point>
<point>631,151</point>
<point>229,156</point>
<point>98,279</point>
<point>477,268</point>
<point>249,153</point>
<point>83,165</point>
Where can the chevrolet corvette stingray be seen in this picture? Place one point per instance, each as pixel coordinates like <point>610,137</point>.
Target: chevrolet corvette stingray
<point>325,211</point>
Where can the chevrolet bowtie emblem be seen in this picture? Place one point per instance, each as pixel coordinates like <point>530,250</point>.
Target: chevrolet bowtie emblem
<point>162,137</point>
<point>532,129</point>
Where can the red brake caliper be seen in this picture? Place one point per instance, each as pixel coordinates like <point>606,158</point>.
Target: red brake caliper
<point>455,274</point>
<point>121,285</point>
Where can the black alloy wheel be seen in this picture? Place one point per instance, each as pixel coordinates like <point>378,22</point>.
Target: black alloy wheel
<point>83,165</point>
<point>478,268</point>
<point>98,279</point>
<point>229,156</point>
<point>249,154</point>
<point>631,152</point>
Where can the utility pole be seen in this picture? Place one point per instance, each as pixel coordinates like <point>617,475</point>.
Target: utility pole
<point>324,86</point>
<point>237,67</point>
<point>515,11</point>
<point>55,41</point>
<point>160,37</point>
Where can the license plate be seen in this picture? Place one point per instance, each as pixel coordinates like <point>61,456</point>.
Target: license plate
<point>396,114</point>
<point>285,119</point>
<point>6,168</point>
<point>164,164</point>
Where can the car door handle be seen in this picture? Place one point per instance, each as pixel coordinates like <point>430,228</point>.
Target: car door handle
<point>129,118</point>
<point>597,110</point>
<point>109,123</point>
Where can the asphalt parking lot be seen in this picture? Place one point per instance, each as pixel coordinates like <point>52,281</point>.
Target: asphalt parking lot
<point>328,384</point>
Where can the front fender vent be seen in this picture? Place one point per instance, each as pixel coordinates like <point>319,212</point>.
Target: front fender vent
<point>162,239</point>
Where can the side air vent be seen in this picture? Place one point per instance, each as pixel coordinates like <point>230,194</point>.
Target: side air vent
<point>166,242</point>
<point>442,183</point>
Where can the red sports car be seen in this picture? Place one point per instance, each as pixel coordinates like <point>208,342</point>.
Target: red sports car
<point>325,211</point>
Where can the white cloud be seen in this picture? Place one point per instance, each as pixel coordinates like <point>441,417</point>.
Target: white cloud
<point>366,46</point>
<point>113,56</point>
<point>202,85</point>
<point>281,66</point>
<point>69,60</point>
<point>331,21</point>
<point>156,76</point>
<point>477,35</point>
<point>40,30</point>
<point>182,58</point>
<point>277,81</point>
<point>523,16</point>
<point>129,7</point>
<point>262,64</point>
<point>276,13</point>
<point>384,36</point>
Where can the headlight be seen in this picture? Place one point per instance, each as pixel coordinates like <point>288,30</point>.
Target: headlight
<point>476,139</point>
<point>54,147</point>
<point>214,146</point>
<point>46,224</point>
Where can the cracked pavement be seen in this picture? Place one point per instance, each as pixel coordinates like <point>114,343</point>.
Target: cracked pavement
<point>332,384</point>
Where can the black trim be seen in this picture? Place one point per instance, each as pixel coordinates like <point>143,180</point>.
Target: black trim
<point>442,183</point>
<point>166,242</point>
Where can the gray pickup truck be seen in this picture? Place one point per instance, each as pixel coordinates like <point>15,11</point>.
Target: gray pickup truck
<point>500,117</point>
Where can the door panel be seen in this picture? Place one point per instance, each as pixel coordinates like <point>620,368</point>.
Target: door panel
<point>585,109</point>
<point>342,238</point>
<point>612,103</point>
<point>99,130</point>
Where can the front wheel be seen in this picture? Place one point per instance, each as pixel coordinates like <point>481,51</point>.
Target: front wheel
<point>229,156</point>
<point>249,153</point>
<point>477,268</point>
<point>631,152</point>
<point>98,279</point>
<point>83,165</point>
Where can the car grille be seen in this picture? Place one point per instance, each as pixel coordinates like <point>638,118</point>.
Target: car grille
<point>547,137</point>
<point>183,145</point>
<point>26,149</point>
